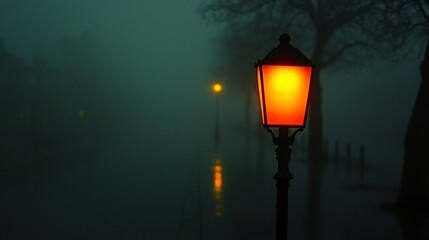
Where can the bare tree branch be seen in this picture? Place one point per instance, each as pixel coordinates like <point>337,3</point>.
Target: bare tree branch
<point>334,57</point>
<point>323,27</point>
<point>422,11</point>
<point>306,6</point>
<point>347,17</point>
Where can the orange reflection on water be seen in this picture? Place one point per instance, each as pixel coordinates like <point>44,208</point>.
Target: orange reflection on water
<point>217,186</point>
<point>218,179</point>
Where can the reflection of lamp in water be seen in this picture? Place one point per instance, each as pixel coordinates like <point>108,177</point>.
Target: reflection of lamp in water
<point>217,186</point>
<point>284,77</point>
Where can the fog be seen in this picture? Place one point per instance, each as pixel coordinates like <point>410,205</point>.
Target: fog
<point>145,170</point>
<point>159,53</point>
<point>159,46</point>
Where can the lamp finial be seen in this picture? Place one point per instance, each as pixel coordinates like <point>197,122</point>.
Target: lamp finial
<point>284,39</point>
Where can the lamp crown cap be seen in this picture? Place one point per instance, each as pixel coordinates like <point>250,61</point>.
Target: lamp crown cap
<point>285,54</point>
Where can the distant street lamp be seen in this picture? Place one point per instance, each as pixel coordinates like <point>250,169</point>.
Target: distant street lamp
<point>217,89</point>
<point>284,82</point>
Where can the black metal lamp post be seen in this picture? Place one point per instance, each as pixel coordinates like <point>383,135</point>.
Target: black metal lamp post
<point>217,89</point>
<point>284,82</point>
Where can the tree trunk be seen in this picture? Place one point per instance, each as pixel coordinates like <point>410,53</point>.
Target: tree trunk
<point>315,120</point>
<point>413,191</point>
<point>314,166</point>
<point>247,130</point>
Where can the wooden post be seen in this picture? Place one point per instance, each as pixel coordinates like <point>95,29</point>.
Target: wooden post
<point>362,164</point>
<point>348,161</point>
<point>337,157</point>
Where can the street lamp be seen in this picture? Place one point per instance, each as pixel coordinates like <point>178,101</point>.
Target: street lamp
<point>217,89</point>
<point>284,81</point>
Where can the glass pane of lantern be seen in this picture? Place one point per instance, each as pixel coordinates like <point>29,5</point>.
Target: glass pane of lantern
<point>258,73</point>
<point>286,92</point>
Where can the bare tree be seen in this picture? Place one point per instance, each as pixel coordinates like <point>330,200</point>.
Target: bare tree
<point>409,20</point>
<point>328,31</point>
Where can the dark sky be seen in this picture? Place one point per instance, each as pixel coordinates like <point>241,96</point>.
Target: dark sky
<point>163,39</point>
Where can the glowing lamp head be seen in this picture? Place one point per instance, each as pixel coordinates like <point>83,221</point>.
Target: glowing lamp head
<point>217,87</point>
<point>284,81</point>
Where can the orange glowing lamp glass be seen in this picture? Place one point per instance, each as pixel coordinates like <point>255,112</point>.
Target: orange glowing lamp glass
<point>284,81</point>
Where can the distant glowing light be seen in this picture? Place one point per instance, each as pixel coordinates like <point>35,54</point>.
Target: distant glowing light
<point>81,113</point>
<point>217,87</point>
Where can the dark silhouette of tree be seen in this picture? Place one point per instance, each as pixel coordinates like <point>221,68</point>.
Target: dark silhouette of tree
<point>328,31</point>
<point>409,20</point>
